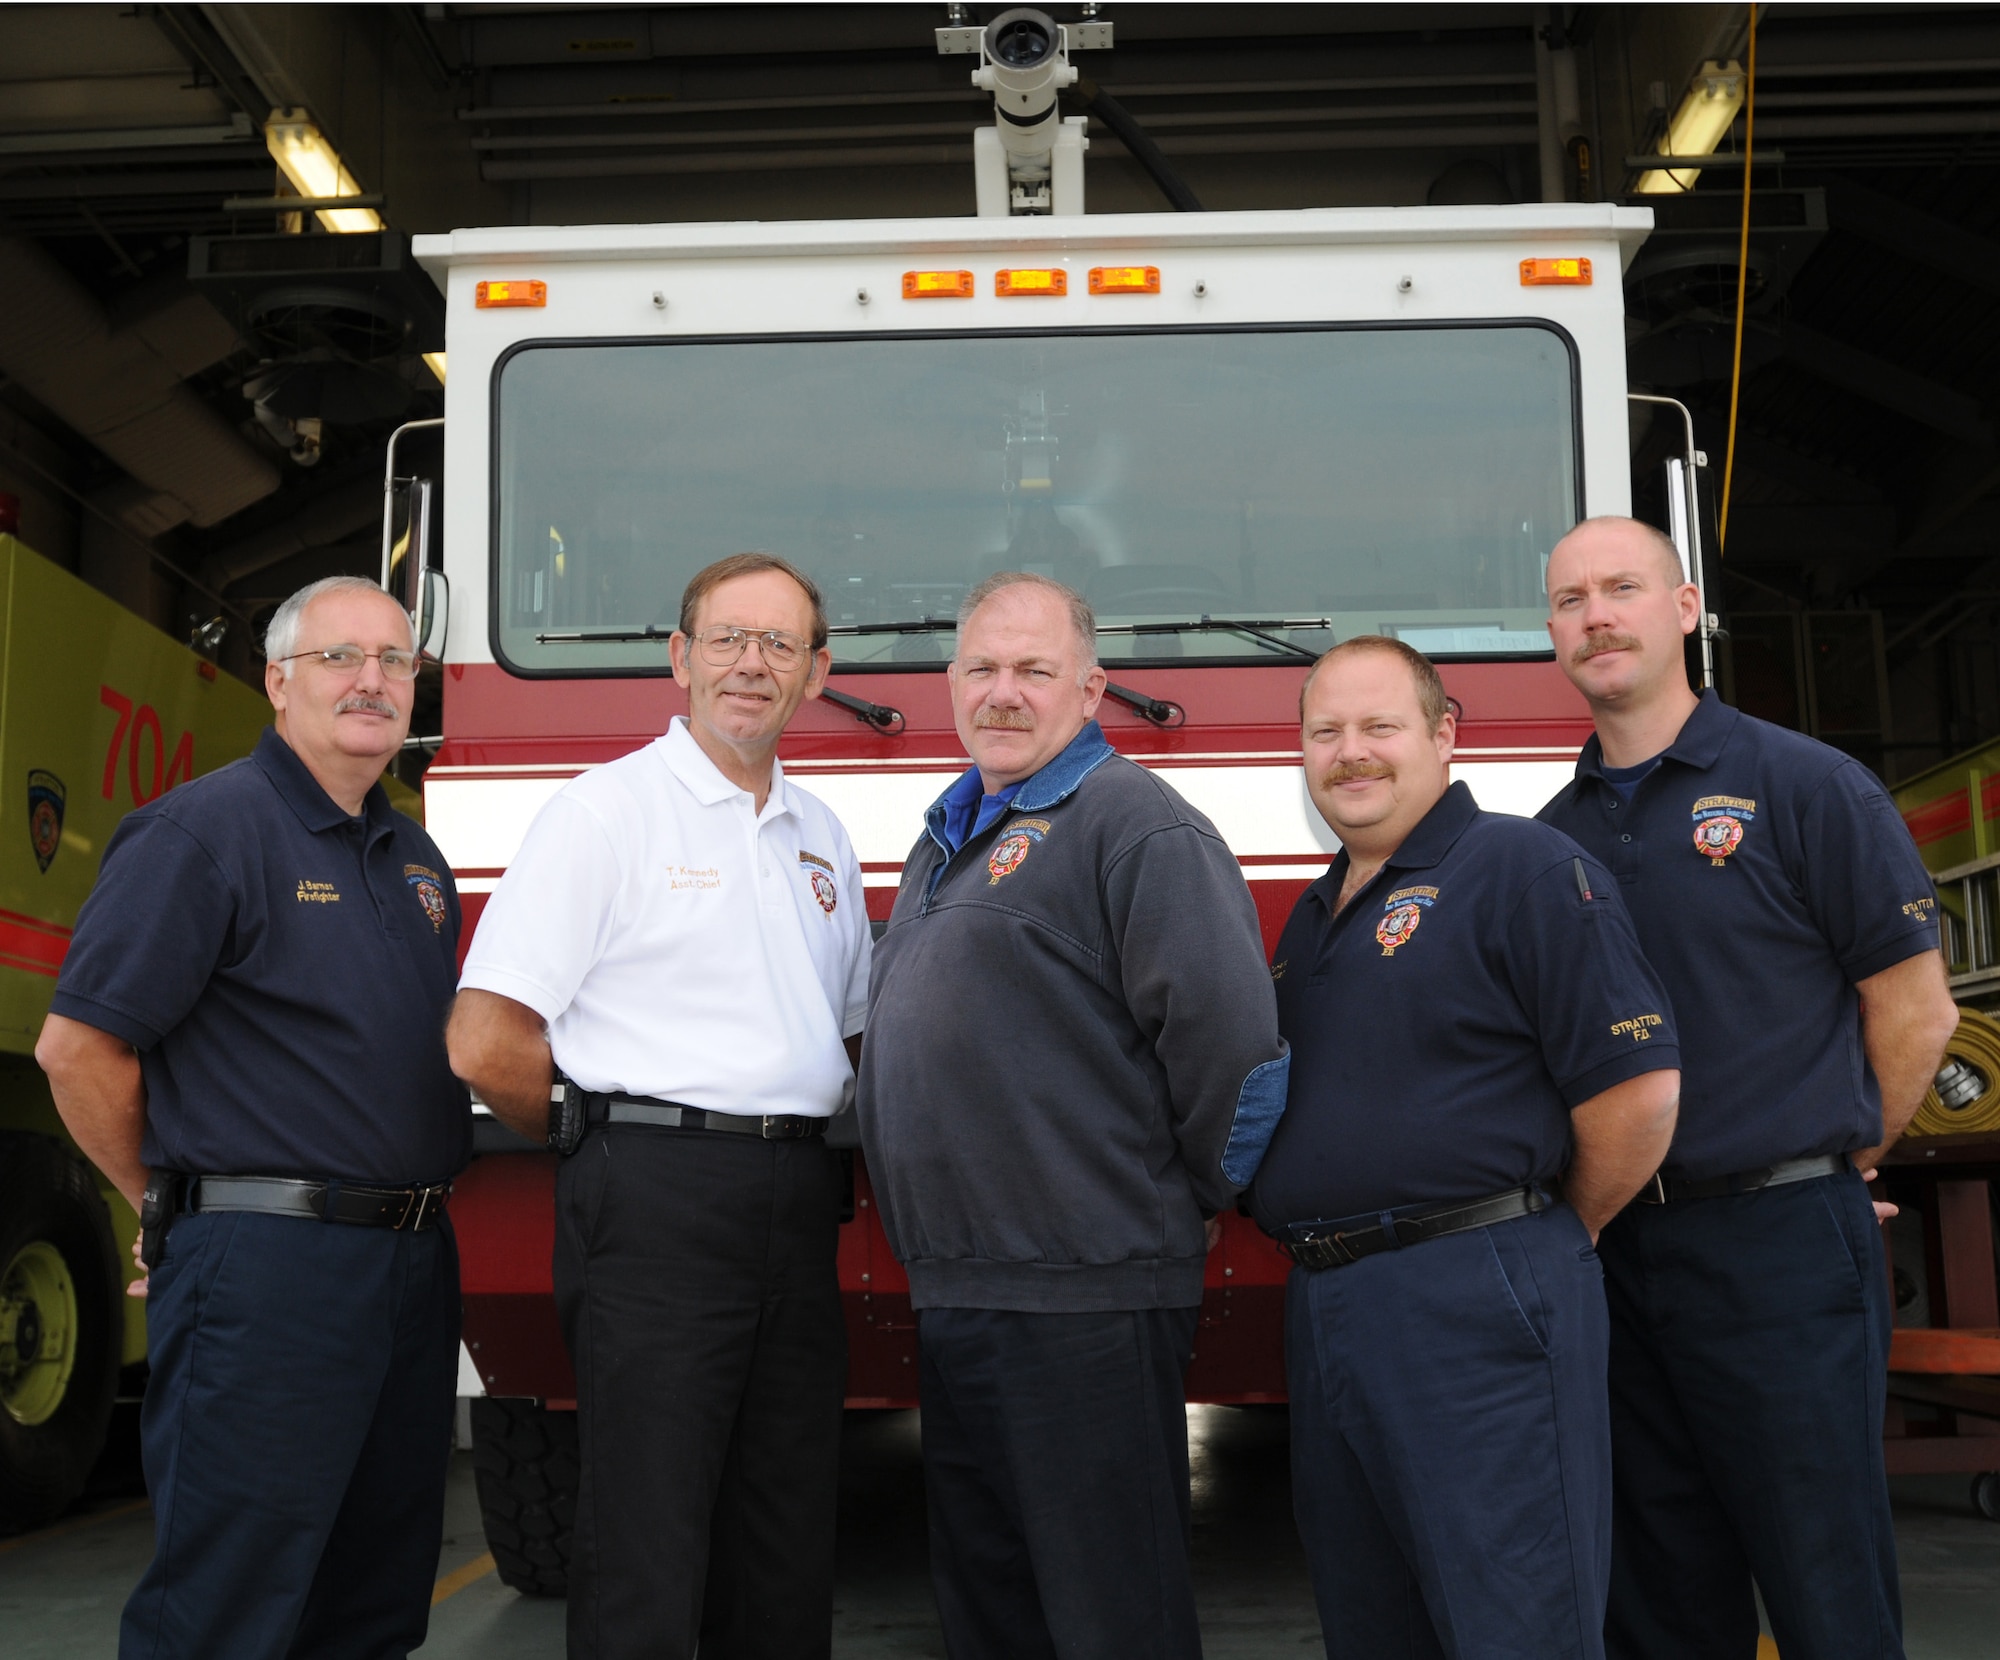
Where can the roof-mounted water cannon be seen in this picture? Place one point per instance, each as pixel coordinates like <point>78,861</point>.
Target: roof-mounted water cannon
<point>1030,161</point>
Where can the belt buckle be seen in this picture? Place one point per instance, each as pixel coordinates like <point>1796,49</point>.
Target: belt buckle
<point>1654,1192</point>
<point>417,1206</point>
<point>771,1127</point>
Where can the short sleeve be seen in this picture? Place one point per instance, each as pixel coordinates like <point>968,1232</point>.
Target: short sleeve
<point>1865,884</point>
<point>151,935</point>
<point>1594,1002</point>
<point>548,921</point>
<point>854,1012</point>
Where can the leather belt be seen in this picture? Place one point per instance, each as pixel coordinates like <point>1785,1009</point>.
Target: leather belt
<point>1664,1189</point>
<point>671,1115</point>
<point>1319,1245</point>
<point>413,1208</point>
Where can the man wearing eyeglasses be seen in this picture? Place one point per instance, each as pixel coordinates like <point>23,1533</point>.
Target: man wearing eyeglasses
<point>679,949</point>
<point>245,1039</point>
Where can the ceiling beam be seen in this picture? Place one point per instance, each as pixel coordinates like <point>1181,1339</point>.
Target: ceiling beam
<point>1915,397</point>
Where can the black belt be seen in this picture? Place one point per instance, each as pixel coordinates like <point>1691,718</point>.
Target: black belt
<point>671,1115</point>
<point>1661,1189</point>
<point>1336,1244</point>
<point>415,1208</point>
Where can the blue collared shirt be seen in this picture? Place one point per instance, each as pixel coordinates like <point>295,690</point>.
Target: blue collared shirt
<point>1766,874</point>
<point>951,821</point>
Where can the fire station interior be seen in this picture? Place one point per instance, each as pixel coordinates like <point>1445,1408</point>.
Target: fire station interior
<point>198,380</point>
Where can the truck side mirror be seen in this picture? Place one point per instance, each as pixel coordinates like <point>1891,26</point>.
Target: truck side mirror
<point>431,616</point>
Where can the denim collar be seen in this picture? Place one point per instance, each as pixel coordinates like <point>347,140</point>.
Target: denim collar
<point>1055,783</point>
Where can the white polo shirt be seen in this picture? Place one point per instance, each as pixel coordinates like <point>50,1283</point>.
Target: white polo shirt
<point>681,944</point>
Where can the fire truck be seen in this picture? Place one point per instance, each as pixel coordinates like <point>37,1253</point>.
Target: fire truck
<point>1243,436</point>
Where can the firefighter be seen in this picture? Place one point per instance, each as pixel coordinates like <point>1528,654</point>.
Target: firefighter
<point>1776,889</point>
<point>1072,1059</point>
<point>245,1040</point>
<point>1483,1071</point>
<point>682,935</point>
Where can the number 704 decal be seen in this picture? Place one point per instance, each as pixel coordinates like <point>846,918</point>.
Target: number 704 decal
<point>148,770</point>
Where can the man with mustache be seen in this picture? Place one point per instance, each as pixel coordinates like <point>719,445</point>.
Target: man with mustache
<point>246,1040</point>
<point>680,950</point>
<point>1483,1071</point>
<point>1775,887</point>
<point>1072,1061</point>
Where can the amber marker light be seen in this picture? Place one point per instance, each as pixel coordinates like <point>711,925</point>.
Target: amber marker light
<point>490,294</point>
<point>1557,273</point>
<point>937,285</point>
<point>1124,279</point>
<point>1010,284</point>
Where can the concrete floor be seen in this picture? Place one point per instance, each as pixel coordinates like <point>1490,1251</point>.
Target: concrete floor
<point>61,1589</point>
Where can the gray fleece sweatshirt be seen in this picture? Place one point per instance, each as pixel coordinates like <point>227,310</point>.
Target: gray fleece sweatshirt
<point>1072,1050</point>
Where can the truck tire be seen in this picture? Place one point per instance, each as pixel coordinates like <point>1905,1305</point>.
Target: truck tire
<point>524,1459</point>
<point>61,1319</point>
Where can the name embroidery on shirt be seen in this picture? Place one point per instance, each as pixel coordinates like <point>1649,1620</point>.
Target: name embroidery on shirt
<point>1012,848</point>
<point>1639,1028</point>
<point>820,871</point>
<point>693,876</point>
<point>1921,909</point>
<point>1719,822</point>
<point>317,893</point>
<point>1401,912</point>
<point>430,893</point>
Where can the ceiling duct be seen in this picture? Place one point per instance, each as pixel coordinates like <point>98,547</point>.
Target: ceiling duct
<point>118,384</point>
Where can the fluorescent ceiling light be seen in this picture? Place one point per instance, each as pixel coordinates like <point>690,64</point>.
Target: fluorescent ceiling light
<point>435,361</point>
<point>1707,113</point>
<point>315,169</point>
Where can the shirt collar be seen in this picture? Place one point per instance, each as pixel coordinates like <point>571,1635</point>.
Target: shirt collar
<point>306,796</point>
<point>1054,783</point>
<point>1434,835</point>
<point>1698,743</point>
<point>704,780</point>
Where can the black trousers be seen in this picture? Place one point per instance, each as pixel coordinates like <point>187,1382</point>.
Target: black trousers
<point>694,1276</point>
<point>296,1435</point>
<point>1749,1355</point>
<point>1056,1465</point>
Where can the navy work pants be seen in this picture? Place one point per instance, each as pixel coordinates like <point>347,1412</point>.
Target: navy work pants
<point>296,1436</point>
<point>695,1279</point>
<point>1056,1467</point>
<point>1749,1358</point>
<point>1450,1446</point>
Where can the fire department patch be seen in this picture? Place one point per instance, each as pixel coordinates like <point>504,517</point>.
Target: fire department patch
<point>825,892</point>
<point>1401,912</point>
<point>1012,848</point>
<point>1719,822</point>
<point>430,893</point>
<point>46,799</point>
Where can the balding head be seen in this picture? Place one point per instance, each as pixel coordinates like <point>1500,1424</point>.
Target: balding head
<point>1619,608</point>
<point>1613,531</point>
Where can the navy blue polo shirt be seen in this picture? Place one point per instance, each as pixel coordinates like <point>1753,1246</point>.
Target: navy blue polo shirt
<point>1482,984</point>
<point>1766,874</point>
<point>283,971</point>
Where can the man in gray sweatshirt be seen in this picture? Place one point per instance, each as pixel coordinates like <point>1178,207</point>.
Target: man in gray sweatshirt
<point>1072,1063</point>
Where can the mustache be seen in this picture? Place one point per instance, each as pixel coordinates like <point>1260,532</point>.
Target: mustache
<point>1347,771</point>
<point>1008,720</point>
<point>1599,643</point>
<point>368,701</point>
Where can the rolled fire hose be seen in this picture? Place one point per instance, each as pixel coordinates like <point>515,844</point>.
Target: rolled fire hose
<point>1965,1099</point>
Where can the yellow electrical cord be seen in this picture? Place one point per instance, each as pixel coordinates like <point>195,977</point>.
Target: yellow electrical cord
<point>1977,1044</point>
<point>1742,288</point>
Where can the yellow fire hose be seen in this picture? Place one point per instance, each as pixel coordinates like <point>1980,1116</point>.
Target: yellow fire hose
<point>1975,1046</point>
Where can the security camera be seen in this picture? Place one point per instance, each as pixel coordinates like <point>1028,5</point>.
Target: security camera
<point>1024,64</point>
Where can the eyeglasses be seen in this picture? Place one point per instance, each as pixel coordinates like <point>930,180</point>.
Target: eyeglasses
<point>723,645</point>
<point>347,660</point>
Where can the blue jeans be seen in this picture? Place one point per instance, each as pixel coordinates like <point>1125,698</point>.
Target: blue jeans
<point>1451,1448</point>
<point>296,1436</point>
<point>1749,1359</point>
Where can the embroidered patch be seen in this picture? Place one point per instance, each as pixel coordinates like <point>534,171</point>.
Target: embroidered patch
<point>1719,822</point>
<point>1401,912</point>
<point>317,893</point>
<point>430,893</point>
<point>824,891</point>
<point>1013,847</point>
<point>46,798</point>
<point>1639,1028</point>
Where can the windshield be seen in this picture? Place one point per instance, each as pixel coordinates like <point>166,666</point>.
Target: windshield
<point>1317,483</point>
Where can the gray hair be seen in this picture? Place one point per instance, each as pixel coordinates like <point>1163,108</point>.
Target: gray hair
<point>1081,617</point>
<point>281,637</point>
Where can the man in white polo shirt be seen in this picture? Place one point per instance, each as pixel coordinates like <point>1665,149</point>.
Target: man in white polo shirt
<point>682,937</point>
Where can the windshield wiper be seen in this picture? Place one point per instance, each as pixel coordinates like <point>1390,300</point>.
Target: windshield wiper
<point>917,625</point>
<point>878,715</point>
<point>1254,628</point>
<point>607,636</point>
<point>1158,710</point>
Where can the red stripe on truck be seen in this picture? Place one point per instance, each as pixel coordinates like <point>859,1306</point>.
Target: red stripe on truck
<point>30,944</point>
